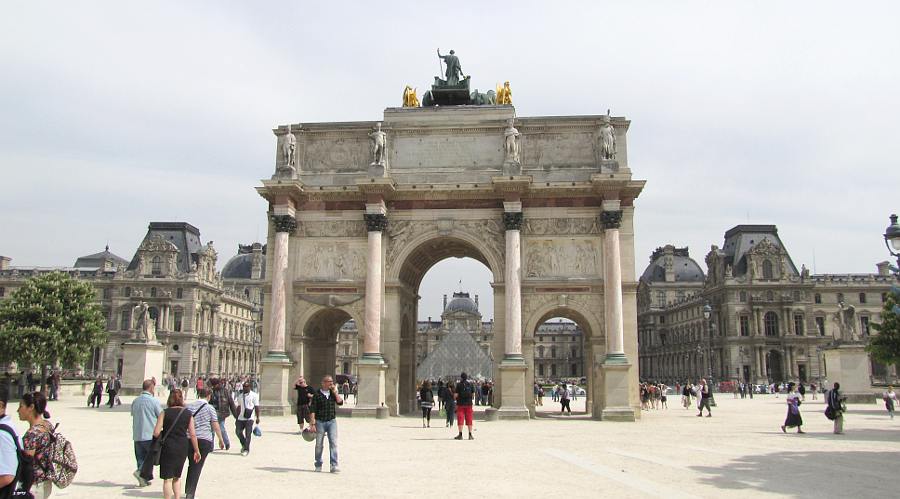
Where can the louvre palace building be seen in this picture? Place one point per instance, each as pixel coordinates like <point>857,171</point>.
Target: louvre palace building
<point>208,322</point>
<point>768,320</point>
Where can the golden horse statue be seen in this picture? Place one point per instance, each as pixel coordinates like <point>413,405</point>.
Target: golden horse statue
<point>504,94</point>
<point>409,97</point>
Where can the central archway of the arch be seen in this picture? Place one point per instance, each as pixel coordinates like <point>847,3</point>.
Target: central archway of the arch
<point>352,238</point>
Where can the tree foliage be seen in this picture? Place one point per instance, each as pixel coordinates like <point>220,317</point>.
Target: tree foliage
<point>885,346</point>
<point>51,318</point>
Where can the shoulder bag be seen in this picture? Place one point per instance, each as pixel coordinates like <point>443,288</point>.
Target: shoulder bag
<point>153,455</point>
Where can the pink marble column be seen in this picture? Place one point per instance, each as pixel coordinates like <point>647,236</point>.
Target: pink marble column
<point>284,226</point>
<point>376,223</point>
<point>512,220</point>
<point>612,286</point>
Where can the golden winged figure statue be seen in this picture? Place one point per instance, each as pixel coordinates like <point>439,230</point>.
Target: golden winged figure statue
<point>409,97</point>
<point>504,94</point>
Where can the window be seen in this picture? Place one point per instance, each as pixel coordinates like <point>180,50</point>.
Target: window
<point>661,298</point>
<point>152,292</point>
<point>179,293</point>
<point>553,352</point>
<point>680,295</point>
<point>767,269</point>
<point>552,369</point>
<point>662,319</point>
<point>745,325</point>
<point>862,297</point>
<point>541,351</point>
<point>864,326</point>
<point>540,369</point>
<point>178,318</point>
<point>743,296</point>
<point>820,325</point>
<point>127,292</point>
<point>817,298</point>
<point>156,266</point>
<point>883,297</point>
<point>798,325</point>
<point>796,295</point>
<point>346,350</point>
<point>573,372</point>
<point>107,293</point>
<point>125,323</point>
<point>2,292</point>
<point>575,351</point>
<point>771,322</point>
<point>770,296</point>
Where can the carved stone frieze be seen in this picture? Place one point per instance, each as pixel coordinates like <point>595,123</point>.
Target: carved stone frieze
<point>333,261</point>
<point>567,258</point>
<point>334,228</point>
<point>561,226</point>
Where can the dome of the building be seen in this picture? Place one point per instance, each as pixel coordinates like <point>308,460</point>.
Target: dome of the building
<point>462,303</point>
<point>684,267</point>
<point>240,267</point>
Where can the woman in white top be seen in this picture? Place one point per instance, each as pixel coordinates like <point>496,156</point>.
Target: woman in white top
<point>890,400</point>
<point>793,414</point>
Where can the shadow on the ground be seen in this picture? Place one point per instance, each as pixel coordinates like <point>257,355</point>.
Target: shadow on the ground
<point>276,469</point>
<point>104,483</point>
<point>822,474</point>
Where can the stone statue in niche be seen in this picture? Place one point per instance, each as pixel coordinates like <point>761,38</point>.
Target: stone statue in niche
<point>379,144</point>
<point>511,143</point>
<point>607,138</point>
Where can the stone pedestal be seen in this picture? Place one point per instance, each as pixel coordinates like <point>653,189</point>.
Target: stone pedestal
<point>371,390</point>
<point>848,364</point>
<point>275,384</point>
<point>616,405</point>
<point>142,361</point>
<point>512,397</point>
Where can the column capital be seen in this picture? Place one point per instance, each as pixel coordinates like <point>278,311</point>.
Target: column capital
<point>513,220</point>
<point>376,222</point>
<point>611,219</point>
<point>284,223</point>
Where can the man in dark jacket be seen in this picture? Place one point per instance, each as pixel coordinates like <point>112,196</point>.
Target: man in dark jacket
<point>836,406</point>
<point>223,403</point>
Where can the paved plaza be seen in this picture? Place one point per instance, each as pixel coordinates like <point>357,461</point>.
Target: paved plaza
<point>669,453</point>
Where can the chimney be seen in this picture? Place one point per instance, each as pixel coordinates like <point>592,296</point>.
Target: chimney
<point>429,320</point>
<point>257,262</point>
<point>445,303</point>
<point>884,268</point>
<point>4,262</point>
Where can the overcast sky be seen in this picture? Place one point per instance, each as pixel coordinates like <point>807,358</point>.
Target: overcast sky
<point>113,114</point>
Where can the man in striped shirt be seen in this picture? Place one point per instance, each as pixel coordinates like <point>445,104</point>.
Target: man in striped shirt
<point>206,421</point>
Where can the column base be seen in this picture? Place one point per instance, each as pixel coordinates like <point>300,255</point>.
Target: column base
<point>616,400</point>
<point>512,389</point>
<point>371,390</point>
<point>142,361</point>
<point>615,358</point>
<point>274,378</point>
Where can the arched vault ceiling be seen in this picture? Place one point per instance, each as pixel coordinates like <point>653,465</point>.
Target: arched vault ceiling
<point>431,252</point>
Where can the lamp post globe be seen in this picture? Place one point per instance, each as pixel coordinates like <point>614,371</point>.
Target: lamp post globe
<point>892,236</point>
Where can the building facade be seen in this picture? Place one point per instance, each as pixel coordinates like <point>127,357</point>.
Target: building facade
<point>207,327</point>
<point>768,320</point>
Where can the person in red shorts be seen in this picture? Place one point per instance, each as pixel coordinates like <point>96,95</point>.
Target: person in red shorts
<point>463,396</point>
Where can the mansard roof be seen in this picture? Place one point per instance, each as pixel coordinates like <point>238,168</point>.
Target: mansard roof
<point>685,268</point>
<point>741,239</point>
<point>98,260</point>
<point>183,235</point>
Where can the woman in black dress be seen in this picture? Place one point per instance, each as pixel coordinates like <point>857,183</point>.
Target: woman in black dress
<point>176,427</point>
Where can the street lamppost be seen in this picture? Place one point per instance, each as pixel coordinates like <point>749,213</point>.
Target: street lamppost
<point>707,314</point>
<point>892,241</point>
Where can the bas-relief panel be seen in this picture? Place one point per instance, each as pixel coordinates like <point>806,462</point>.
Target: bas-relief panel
<point>554,258</point>
<point>333,228</point>
<point>331,261</point>
<point>454,151</point>
<point>561,226</point>
<point>558,150</point>
<point>334,153</point>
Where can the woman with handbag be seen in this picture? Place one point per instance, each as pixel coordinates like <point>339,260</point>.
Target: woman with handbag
<point>37,441</point>
<point>793,414</point>
<point>176,425</point>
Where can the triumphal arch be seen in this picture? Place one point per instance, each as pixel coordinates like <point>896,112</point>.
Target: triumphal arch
<point>359,211</point>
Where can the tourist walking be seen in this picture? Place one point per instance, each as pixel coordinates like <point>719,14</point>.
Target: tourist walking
<point>345,389</point>
<point>663,397</point>
<point>686,395</point>
<point>176,427</point>
<point>704,395</point>
<point>564,401</point>
<point>815,391</point>
<point>449,404</point>
<point>37,441</point>
<point>890,400</point>
<point>145,411</point>
<point>112,390</point>
<point>426,401</point>
<point>206,422</point>
<point>9,447</point>
<point>463,397</point>
<point>247,404</point>
<point>305,394</point>
<point>801,390</point>
<point>835,403</point>
<point>793,410</point>
<point>223,403</point>
<point>323,412</point>
<point>96,394</point>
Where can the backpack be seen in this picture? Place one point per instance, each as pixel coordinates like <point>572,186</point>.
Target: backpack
<point>21,485</point>
<point>63,464</point>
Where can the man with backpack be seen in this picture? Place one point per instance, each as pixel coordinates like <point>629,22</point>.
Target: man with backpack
<point>11,470</point>
<point>463,396</point>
